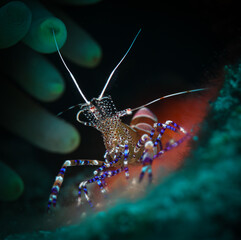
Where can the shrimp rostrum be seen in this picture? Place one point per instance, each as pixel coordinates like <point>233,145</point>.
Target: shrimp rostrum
<point>138,144</point>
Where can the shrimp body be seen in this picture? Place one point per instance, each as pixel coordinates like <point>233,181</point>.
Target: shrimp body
<point>137,144</point>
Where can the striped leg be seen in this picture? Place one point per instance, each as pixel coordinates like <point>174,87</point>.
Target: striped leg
<point>160,127</point>
<point>144,138</point>
<point>169,146</point>
<point>100,172</point>
<point>99,179</point>
<point>147,162</point>
<point>108,163</point>
<point>107,156</point>
<point>163,126</point>
<point>60,177</point>
<point>147,158</point>
<point>126,155</point>
<point>148,153</point>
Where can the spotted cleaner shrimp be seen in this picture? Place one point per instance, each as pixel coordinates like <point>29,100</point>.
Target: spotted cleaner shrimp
<point>125,145</point>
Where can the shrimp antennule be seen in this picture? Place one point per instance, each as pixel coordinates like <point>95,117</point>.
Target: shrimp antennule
<point>167,96</point>
<point>109,78</point>
<point>70,73</point>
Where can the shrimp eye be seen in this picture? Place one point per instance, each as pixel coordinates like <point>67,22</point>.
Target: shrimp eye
<point>129,111</point>
<point>92,109</point>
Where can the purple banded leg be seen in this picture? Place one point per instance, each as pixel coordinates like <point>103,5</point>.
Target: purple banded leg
<point>60,177</point>
<point>170,146</point>
<point>101,168</point>
<point>150,174</point>
<point>146,168</point>
<point>105,166</point>
<point>126,155</point>
<point>147,158</point>
<point>107,161</point>
<point>178,127</point>
<point>98,179</point>
<point>83,187</point>
<point>116,159</point>
<point>107,156</point>
<point>144,138</point>
<point>108,164</point>
<point>181,129</point>
<point>161,131</point>
<point>161,128</point>
<point>101,183</point>
<point>113,172</point>
<point>152,132</point>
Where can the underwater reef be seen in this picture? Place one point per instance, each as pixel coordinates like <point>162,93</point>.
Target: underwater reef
<point>200,201</point>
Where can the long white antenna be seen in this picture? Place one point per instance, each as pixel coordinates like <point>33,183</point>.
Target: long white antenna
<point>108,80</point>
<point>71,75</point>
<point>167,96</point>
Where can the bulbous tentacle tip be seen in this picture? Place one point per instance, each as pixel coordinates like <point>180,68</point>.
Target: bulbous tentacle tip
<point>15,21</point>
<point>11,186</point>
<point>40,37</point>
